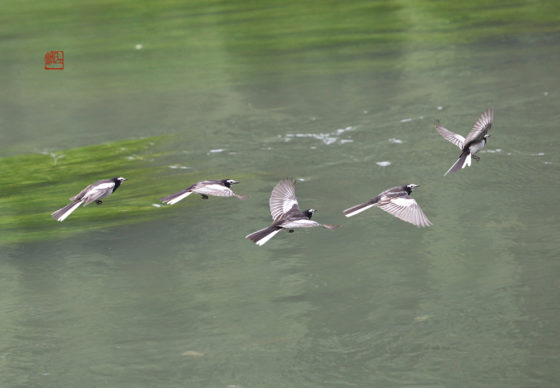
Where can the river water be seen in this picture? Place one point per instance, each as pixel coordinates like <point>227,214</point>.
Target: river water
<point>342,97</point>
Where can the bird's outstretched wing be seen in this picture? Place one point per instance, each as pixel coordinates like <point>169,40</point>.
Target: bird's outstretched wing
<point>283,198</point>
<point>481,127</point>
<point>405,208</point>
<point>452,137</point>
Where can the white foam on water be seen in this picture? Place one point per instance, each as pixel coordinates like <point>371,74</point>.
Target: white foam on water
<point>326,138</point>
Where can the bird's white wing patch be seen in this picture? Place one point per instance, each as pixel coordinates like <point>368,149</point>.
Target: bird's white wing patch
<point>452,137</point>
<point>407,209</point>
<point>404,201</point>
<point>215,190</point>
<point>303,223</point>
<point>283,198</point>
<point>101,187</point>
<point>99,192</point>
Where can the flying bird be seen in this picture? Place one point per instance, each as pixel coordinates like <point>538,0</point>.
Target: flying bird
<point>475,141</point>
<point>286,213</point>
<point>217,188</point>
<point>396,201</point>
<point>94,192</point>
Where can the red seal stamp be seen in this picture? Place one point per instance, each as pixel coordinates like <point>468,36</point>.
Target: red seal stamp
<point>54,60</point>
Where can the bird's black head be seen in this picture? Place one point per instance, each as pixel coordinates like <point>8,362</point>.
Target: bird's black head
<point>229,182</point>
<point>410,187</point>
<point>118,181</point>
<point>309,212</point>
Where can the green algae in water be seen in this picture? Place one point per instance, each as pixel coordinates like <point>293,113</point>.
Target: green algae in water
<point>33,186</point>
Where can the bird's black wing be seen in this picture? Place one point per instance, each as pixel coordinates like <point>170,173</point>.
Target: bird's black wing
<point>481,127</point>
<point>452,137</point>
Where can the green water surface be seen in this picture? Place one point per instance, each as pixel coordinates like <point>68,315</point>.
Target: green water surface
<point>342,96</point>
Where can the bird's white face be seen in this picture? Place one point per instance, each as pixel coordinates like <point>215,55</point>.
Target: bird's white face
<point>412,186</point>
<point>121,179</point>
<point>312,211</point>
<point>231,181</point>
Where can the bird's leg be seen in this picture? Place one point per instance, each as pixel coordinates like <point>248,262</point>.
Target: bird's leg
<point>99,202</point>
<point>291,231</point>
<point>477,158</point>
<point>203,196</point>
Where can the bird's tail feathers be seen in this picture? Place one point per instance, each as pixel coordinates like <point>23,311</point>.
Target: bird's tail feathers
<point>330,227</point>
<point>468,160</point>
<point>243,196</point>
<point>460,163</point>
<point>63,213</point>
<point>357,209</point>
<point>174,198</point>
<point>261,237</point>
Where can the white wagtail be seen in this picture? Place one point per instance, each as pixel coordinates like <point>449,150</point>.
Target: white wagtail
<point>395,201</point>
<point>94,192</point>
<point>286,214</point>
<point>218,188</point>
<point>475,141</point>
